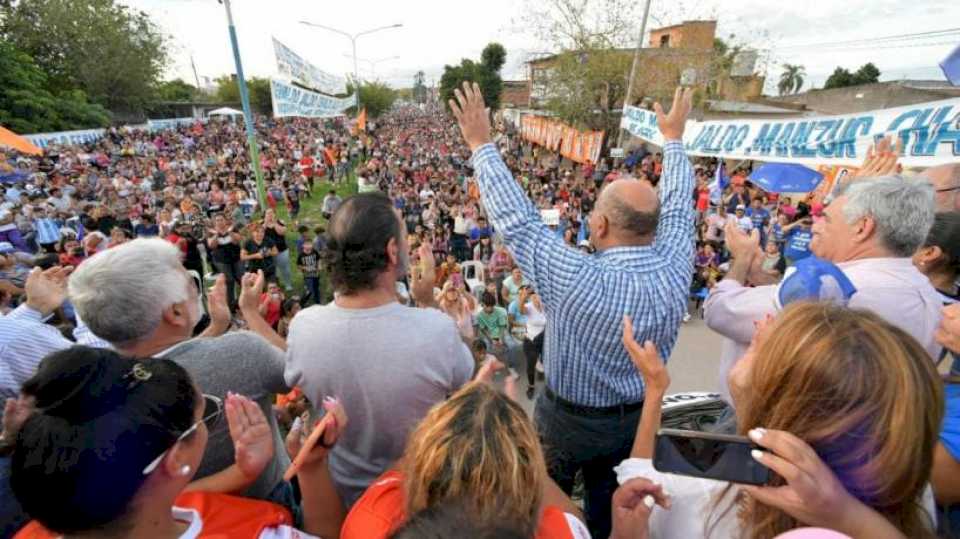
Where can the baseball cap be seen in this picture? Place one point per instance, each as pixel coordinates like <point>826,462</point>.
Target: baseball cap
<point>814,279</point>
<point>741,207</point>
<point>583,243</point>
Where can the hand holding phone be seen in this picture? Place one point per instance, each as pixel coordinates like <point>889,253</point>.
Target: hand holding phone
<point>324,434</point>
<point>721,457</point>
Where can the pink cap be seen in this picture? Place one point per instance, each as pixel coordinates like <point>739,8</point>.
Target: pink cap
<point>812,533</point>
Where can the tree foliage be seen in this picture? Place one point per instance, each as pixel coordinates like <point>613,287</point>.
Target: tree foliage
<point>375,96</point>
<point>791,80</point>
<point>486,73</point>
<point>177,90</point>
<point>113,53</point>
<point>26,106</point>
<point>842,78</point>
<point>257,88</point>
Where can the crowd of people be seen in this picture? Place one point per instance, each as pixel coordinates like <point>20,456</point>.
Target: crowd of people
<point>446,282</point>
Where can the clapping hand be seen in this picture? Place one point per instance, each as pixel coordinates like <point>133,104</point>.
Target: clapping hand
<point>948,334</point>
<point>424,277</point>
<point>881,159</point>
<point>251,288</point>
<point>47,289</point>
<point>647,360</point>
<point>672,124</point>
<point>251,434</point>
<point>472,115</point>
<point>739,243</point>
<point>217,302</point>
<point>16,411</point>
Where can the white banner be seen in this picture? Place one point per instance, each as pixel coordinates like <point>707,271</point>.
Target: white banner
<point>81,136</point>
<point>288,100</point>
<point>303,72</point>
<point>930,133</point>
<point>172,123</point>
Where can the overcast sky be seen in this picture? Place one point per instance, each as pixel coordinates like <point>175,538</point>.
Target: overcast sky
<point>436,32</point>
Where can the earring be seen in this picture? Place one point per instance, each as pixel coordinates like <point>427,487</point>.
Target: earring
<point>185,470</point>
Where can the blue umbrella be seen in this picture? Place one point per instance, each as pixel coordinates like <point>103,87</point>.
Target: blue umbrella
<point>786,178</point>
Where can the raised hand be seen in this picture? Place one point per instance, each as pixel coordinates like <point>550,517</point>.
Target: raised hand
<point>47,289</point>
<point>252,438</point>
<point>948,334</point>
<point>881,159</point>
<point>217,302</point>
<point>646,359</point>
<point>251,288</point>
<point>672,124</point>
<point>739,243</point>
<point>472,115</point>
<point>423,278</point>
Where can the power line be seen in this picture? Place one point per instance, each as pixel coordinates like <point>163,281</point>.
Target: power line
<point>874,47</point>
<point>899,37</point>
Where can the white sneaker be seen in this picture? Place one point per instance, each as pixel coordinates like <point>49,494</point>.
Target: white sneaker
<point>686,318</point>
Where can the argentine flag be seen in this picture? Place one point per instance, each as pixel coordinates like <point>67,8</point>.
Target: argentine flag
<point>719,183</point>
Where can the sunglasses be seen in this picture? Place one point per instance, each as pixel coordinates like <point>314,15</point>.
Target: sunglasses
<point>212,410</point>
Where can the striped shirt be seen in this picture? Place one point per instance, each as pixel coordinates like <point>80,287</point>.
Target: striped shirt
<point>47,230</point>
<point>586,296</point>
<point>25,340</point>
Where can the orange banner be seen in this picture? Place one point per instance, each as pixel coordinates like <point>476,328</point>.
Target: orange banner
<point>578,146</point>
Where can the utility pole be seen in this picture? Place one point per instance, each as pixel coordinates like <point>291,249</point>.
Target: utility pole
<point>195,76</point>
<point>245,101</point>
<point>633,68</point>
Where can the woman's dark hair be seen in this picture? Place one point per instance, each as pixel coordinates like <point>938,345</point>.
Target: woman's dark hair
<point>357,237</point>
<point>79,458</point>
<point>945,234</point>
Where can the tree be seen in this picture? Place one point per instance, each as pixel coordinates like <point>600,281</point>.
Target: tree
<point>261,101</point>
<point>26,106</point>
<point>791,80</point>
<point>419,88</point>
<point>375,96</point>
<point>841,78</point>
<point>112,53</point>
<point>867,74</point>
<point>176,90</point>
<point>486,74</point>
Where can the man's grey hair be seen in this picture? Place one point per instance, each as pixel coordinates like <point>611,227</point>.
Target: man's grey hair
<point>120,293</point>
<point>901,207</point>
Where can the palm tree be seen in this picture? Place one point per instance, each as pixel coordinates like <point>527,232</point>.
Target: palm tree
<point>791,80</point>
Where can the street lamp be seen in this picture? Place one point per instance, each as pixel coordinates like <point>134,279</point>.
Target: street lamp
<point>373,63</point>
<point>633,67</point>
<point>353,41</point>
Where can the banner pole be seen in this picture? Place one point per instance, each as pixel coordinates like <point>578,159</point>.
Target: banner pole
<point>245,102</point>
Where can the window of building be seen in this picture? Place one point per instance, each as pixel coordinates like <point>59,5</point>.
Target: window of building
<point>665,41</point>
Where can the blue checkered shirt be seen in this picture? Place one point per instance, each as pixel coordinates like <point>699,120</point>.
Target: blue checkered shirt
<point>586,296</point>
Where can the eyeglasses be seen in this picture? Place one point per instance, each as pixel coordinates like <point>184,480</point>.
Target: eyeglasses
<point>212,410</point>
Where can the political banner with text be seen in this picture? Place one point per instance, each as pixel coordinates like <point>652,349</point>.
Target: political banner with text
<point>929,132</point>
<point>288,100</point>
<point>303,72</point>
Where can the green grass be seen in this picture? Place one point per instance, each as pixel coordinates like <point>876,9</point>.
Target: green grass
<point>310,215</point>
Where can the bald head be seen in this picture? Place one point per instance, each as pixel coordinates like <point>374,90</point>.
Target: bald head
<point>632,209</point>
<point>946,183</point>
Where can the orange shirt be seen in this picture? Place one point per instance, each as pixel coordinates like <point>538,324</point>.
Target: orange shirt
<point>223,516</point>
<point>380,511</point>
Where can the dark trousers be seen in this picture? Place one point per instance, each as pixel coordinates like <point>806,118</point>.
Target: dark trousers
<point>313,290</point>
<point>233,273</point>
<point>592,444</point>
<point>532,349</point>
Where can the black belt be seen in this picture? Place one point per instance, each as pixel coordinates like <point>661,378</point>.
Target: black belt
<point>579,409</point>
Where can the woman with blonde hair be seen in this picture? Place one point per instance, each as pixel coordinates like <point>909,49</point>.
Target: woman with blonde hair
<point>460,305</point>
<point>846,408</point>
<point>477,449</point>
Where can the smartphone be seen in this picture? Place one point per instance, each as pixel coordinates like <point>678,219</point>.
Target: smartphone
<point>722,457</point>
<point>308,445</point>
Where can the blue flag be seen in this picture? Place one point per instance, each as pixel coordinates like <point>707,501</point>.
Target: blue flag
<point>951,67</point>
<point>719,183</point>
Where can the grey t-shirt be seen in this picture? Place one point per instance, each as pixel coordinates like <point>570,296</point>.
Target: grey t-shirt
<point>244,363</point>
<point>388,366</point>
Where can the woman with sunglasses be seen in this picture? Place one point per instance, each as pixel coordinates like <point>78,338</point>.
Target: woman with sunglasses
<point>107,447</point>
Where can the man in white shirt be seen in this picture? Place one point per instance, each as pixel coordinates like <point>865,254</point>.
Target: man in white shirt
<point>740,217</point>
<point>869,231</point>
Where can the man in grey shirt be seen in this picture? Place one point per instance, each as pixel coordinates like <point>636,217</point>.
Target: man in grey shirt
<point>388,364</point>
<point>139,298</point>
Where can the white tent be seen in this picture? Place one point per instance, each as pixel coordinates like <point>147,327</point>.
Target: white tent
<point>225,111</point>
